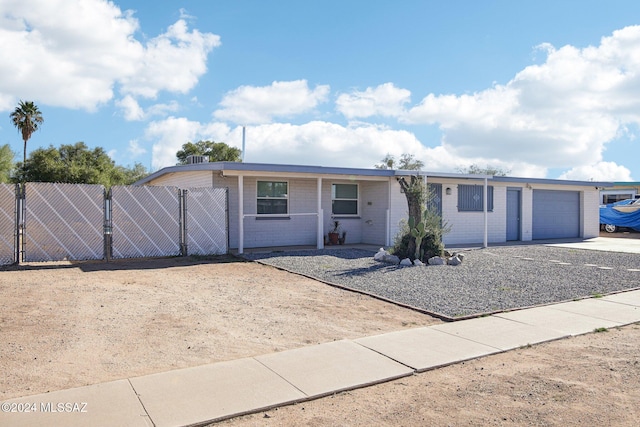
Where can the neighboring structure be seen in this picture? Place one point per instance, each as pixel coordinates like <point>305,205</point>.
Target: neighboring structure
<point>618,191</point>
<point>279,205</point>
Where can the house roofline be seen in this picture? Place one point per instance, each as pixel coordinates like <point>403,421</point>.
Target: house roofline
<point>325,170</point>
<point>551,181</point>
<point>626,183</point>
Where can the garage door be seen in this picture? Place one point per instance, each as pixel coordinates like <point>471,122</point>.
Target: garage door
<point>556,214</point>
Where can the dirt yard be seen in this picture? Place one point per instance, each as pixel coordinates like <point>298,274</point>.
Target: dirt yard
<point>65,325</point>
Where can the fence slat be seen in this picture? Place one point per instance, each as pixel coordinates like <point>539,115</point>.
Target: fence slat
<point>206,221</point>
<point>145,221</point>
<point>7,223</point>
<point>63,222</point>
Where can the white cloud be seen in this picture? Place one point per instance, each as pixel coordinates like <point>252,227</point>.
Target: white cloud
<point>170,134</point>
<point>257,105</point>
<point>601,171</point>
<point>135,149</point>
<point>559,114</point>
<point>73,53</point>
<point>130,108</point>
<point>383,100</point>
<point>314,143</point>
<point>173,61</point>
<point>162,109</point>
<point>132,111</point>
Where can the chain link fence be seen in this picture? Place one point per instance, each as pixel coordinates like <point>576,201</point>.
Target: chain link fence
<point>55,222</point>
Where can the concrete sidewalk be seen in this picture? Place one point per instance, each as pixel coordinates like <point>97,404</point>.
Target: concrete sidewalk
<point>222,390</point>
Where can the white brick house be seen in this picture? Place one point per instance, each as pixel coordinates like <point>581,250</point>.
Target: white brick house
<point>279,205</point>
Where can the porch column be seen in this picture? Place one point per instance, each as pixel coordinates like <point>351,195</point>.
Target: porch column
<point>240,214</point>
<point>320,212</point>
<point>486,216</point>
<point>387,235</point>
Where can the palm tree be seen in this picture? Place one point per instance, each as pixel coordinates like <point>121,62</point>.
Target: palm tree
<point>26,118</point>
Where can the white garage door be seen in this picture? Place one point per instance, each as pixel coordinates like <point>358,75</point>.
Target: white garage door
<point>556,214</point>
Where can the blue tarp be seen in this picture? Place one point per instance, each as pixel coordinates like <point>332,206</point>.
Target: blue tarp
<point>608,215</point>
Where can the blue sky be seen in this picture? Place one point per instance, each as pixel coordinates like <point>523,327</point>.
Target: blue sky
<point>540,88</point>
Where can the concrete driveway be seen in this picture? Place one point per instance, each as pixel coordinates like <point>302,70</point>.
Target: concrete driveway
<point>608,244</point>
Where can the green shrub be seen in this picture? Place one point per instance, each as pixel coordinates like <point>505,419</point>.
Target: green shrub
<point>431,245</point>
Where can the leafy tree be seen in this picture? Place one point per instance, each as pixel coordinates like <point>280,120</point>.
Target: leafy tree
<point>132,174</point>
<point>216,151</point>
<point>77,164</point>
<point>474,169</point>
<point>407,162</point>
<point>26,118</point>
<point>6,163</point>
<point>410,163</point>
<point>387,163</point>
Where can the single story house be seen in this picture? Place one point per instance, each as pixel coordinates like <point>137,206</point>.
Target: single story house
<point>286,205</point>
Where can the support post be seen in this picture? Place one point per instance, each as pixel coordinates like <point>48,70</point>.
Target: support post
<point>387,234</point>
<point>486,215</point>
<point>320,235</point>
<point>240,214</point>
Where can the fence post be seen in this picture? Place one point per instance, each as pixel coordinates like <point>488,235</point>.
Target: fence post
<point>182,220</point>
<point>226,212</point>
<point>19,223</point>
<point>107,226</point>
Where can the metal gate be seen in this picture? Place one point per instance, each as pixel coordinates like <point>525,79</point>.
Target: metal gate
<point>434,202</point>
<point>63,221</point>
<point>206,220</point>
<point>145,221</point>
<point>7,223</point>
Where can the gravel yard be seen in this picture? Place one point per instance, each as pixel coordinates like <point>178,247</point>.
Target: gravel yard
<point>490,280</point>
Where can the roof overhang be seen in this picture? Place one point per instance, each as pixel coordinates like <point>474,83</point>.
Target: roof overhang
<point>542,181</point>
<point>350,174</point>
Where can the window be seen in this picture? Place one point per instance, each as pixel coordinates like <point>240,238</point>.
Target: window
<point>615,197</point>
<point>470,198</point>
<point>273,198</point>
<point>344,199</point>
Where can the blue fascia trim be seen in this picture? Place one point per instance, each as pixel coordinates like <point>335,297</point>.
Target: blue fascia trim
<point>551,181</point>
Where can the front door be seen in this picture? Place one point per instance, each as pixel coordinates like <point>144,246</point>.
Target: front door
<point>513,214</point>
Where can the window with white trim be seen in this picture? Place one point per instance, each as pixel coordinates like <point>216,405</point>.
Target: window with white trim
<point>273,198</point>
<point>471,198</point>
<point>344,199</point>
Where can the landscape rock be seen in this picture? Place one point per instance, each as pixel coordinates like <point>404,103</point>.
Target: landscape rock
<point>418,262</point>
<point>391,259</point>
<point>455,260</point>
<point>436,260</point>
<point>379,256</point>
<point>406,261</point>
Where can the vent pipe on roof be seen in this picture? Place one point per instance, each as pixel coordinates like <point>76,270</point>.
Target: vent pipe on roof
<point>243,140</point>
